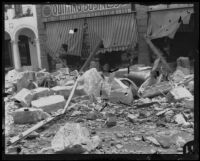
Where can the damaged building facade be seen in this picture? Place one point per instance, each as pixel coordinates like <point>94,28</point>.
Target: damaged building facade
<point>113,24</point>
<point>21,41</point>
<point>35,40</point>
<point>143,104</point>
<point>121,28</point>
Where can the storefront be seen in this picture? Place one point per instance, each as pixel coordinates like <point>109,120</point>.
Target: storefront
<point>172,31</point>
<point>113,24</point>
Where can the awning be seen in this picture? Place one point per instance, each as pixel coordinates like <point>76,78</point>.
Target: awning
<point>118,32</point>
<point>58,34</point>
<point>166,22</point>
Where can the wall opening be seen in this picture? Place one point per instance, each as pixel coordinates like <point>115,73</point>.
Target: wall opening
<point>24,50</point>
<point>8,60</point>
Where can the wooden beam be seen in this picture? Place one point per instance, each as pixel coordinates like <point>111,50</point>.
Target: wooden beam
<point>91,56</point>
<point>157,52</point>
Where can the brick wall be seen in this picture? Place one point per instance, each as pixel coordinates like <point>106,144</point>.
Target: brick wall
<point>143,50</point>
<point>42,37</point>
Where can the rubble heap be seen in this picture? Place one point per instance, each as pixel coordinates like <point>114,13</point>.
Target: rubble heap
<point>105,115</point>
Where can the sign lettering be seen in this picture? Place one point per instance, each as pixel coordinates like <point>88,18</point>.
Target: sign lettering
<point>50,12</point>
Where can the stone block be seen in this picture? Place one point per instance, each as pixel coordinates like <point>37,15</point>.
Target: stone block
<point>91,82</point>
<point>179,119</point>
<point>190,86</point>
<point>24,96</point>
<point>29,115</point>
<point>41,92</point>
<point>62,90</point>
<point>49,104</point>
<point>189,103</point>
<point>179,93</point>
<point>111,121</point>
<point>80,91</point>
<point>74,139</point>
<point>132,117</point>
<point>23,79</point>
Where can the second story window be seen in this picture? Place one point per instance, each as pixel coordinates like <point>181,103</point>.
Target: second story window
<point>18,11</point>
<point>27,11</point>
<point>23,11</point>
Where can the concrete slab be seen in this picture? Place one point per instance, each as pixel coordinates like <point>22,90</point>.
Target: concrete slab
<point>49,104</point>
<point>29,115</point>
<point>24,96</point>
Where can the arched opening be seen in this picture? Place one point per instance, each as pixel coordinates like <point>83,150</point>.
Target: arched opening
<point>27,48</point>
<point>24,50</point>
<point>8,59</point>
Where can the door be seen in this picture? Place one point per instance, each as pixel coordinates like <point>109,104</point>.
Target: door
<point>8,54</point>
<point>24,51</point>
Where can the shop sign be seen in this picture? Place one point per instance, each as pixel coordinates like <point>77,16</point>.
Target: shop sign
<point>61,12</point>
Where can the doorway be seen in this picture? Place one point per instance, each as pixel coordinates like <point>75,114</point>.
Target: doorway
<point>24,50</point>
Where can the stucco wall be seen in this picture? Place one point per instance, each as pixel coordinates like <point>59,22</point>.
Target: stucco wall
<point>14,26</point>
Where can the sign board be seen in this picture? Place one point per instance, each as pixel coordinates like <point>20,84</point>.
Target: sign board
<point>64,12</point>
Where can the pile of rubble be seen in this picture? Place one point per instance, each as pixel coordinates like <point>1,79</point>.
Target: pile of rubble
<point>102,108</point>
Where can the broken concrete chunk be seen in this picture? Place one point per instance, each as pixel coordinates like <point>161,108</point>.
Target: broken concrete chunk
<point>10,88</point>
<point>168,115</point>
<point>162,112</point>
<point>180,142</point>
<point>23,79</point>
<point>165,142</point>
<point>190,86</point>
<point>179,119</point>
<point>80,91</point>
<point>29,116</point>
<point>156,90</point>
<point>33,135</point>
<point>178,93</point>
<point>70,83</point>
<point>24,96</point>
<point>189,103</point>
<point>133,117</point>
<point>91,80</point>
<point>49,104</point>
<point>41,92</point>
<point>111,121</point>
<point>76,113</point>
<point>186,71</point>
<point>119,146</point>
<point>62,90</point>
<point>73,138</point>
<point>152,140</point>
<point>178,75</point>
<point>91,116</point>
<point>12,75</point>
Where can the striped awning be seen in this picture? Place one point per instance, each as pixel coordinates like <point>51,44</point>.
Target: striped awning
<point>58,34</point>
<point>118,32</point>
